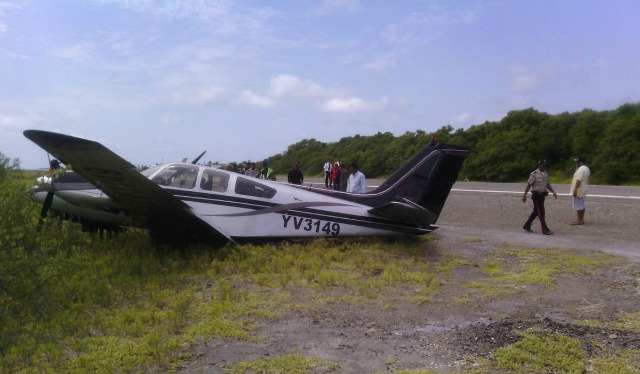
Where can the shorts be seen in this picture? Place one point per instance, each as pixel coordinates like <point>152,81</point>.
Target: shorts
<point>578,203</point>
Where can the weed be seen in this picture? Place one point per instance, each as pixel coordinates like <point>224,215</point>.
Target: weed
<point>620,362</point>
<point>288,364</point>
<point>542,352</point>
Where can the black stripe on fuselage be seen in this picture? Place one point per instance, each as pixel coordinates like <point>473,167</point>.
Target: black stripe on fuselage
<point>350,219</point>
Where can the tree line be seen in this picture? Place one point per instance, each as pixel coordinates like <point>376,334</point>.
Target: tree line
<point>500,151</point>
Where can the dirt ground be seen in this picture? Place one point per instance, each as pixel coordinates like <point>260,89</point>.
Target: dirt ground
<point>445,335</point>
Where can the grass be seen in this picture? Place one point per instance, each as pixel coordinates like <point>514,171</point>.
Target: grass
<point>76,304</point>
<point>287,364</point>
<point>542,352</point>
<point>630,322</point>
<point>512,270</point>
<point>123,306</point>
<point>539,352</point>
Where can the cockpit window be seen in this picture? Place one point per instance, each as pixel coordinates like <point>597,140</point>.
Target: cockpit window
<point>251,187</point>
<point>149,171</point>
<point>213,180</point>
<point>180,176</point>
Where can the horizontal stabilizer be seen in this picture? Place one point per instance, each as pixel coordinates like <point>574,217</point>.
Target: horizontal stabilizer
<point>406,212</point>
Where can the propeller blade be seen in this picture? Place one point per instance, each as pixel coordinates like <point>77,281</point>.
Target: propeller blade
<point>47,204</point>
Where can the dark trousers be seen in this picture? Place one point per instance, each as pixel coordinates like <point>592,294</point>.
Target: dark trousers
<point>327,178</point>
<point>538,212</point>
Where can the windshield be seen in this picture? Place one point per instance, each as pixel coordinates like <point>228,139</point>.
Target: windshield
<point>181,176</point>
<point>149,171</point>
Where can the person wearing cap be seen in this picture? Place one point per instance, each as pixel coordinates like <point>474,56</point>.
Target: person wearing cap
<point>266,172</point>
<point>579,187</point>
<point>356,182</point>
<point>295,175</point>
<point>538,183</point>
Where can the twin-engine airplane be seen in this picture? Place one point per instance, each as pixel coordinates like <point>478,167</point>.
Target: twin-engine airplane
<point>181,201</point>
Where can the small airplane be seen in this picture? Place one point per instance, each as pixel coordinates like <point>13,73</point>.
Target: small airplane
<point>180,202</point>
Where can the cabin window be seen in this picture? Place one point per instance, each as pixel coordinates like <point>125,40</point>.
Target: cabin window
<point>251,187</point>
<point>213,180</point>
<point>180,176</point>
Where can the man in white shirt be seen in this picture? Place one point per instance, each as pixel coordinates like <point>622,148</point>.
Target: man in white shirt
<point>357,182</point>
<point>579,187</point>
<point>327,173</point>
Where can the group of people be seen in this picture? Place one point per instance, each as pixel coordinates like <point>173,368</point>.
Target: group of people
<point>337,176</point>
<point>251,171</point>
<point>540,187</point>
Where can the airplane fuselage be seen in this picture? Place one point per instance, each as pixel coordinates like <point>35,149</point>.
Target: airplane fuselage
<point>242,207</point>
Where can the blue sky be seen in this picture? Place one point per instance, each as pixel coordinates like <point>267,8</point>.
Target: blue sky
<point>156,81</point>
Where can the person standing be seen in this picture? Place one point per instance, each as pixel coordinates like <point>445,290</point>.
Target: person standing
<point>335,176</point>
<point>538,183</point>
<point>327,173</point>
<point>295,175</point>
<point>579,187</point>
<point>344,176</point>
<point>266,172</point>
<point>251,171</point>
<point>357,182</point>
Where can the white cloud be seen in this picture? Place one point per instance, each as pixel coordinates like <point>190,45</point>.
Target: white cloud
<point>170,118</point>
<point>4,7</point>
<point>437,15</point>
<point>286,86</point>
<point>206,96</point>
<point>522,79</point>
<point>290,85</point>
<point>222,17</point>
<point>248,97</point>
<point>381,63</point>
<point>329,6</point>
<point>353,105</point>
<point>79,52</point>
<point>12,123</point>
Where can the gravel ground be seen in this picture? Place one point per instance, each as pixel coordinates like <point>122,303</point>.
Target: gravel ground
<point>445,335</point>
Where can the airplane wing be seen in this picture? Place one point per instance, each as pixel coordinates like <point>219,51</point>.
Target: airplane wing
<point>405,211</point>
<point>147,204</point>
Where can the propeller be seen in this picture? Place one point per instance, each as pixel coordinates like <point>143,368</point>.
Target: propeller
<point>48,200</point>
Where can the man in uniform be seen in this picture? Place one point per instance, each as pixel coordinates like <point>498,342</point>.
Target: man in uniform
<point>538,183</point>
<point>266,172</point>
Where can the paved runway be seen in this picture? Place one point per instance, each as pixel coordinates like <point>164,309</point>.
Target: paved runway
<point>595,191</point>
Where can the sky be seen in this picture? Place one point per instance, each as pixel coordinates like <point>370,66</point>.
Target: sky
<point>156,81</point>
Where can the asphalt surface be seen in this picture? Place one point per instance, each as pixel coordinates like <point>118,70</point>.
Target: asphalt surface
<point>595,191</point>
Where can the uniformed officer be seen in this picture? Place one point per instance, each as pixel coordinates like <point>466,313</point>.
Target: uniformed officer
<point>538,183</point>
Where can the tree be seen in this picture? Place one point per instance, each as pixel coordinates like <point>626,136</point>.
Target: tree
<point>618,161</point>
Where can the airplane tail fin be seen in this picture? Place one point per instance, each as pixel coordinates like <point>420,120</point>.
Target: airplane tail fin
<point>417,192</point>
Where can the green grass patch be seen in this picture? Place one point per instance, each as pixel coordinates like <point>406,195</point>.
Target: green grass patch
<point>629,322</point>
<point>539,352</point>
<point>542,352</point>
<point>287,364</point>
<point>121,305</point>
<point>625,361</point>
<point>522,267</point>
